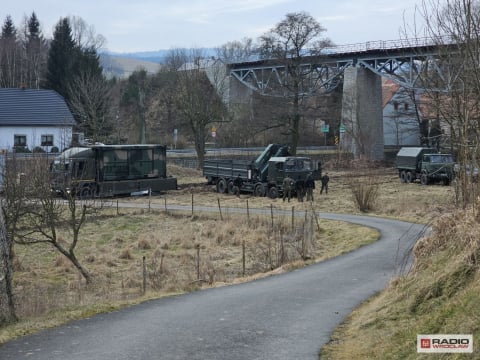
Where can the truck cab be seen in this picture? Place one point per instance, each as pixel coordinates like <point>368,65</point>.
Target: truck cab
<point>297,168</point>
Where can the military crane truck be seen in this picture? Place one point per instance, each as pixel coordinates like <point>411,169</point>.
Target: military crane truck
<point>262,176</point>
<point>111,170</point>
<point>424,164</point>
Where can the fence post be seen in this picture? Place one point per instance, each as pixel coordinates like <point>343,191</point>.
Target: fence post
<point>271,213</point>
<point>198,261</point>
<point>117,207</point>
<point>144,266</point>
<point>243,257</point>
<point>248,213</point>
<point>219,209</point>
<point>192,204</point>
<point>293,217</point>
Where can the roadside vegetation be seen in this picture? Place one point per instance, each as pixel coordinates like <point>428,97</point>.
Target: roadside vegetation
<point>137,254</point>
<point>439,295</point>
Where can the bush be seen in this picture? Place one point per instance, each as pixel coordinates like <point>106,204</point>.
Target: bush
<point>365,194</point>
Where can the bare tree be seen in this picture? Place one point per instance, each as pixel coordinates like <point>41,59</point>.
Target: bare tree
<point>84,34</point>
<point>454,25</point>
<point>90,101</point>
<point>291,41</point>
<point>237,51</point>
<point>199,98</point>
<point>35,215</point>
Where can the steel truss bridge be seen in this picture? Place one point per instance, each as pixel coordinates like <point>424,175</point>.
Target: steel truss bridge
<point>403,61</point>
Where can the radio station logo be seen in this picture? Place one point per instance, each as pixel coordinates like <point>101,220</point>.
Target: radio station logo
<point>448,343</point>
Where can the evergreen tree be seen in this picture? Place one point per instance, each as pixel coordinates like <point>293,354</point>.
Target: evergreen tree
<point>8,29</point>
<point>61,59</point>
<point>35,53</point>
<point>9,55</point>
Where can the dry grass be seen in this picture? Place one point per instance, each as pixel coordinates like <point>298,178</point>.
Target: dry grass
<point>113,245</point>
<point>439,296</point>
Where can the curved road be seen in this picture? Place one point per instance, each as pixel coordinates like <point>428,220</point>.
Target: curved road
<point>288,316</point>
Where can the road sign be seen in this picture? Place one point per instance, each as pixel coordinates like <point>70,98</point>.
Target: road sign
<point>342,128</point>
<point>326,128</point>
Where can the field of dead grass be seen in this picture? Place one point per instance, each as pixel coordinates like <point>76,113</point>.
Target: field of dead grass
<point>137,254</point>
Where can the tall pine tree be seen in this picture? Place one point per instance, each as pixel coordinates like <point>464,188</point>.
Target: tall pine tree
<point>61,59</point>
<point>35,53</point>
<point>9,55</point>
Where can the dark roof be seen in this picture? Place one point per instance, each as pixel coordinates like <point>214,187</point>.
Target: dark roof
<point>38,107</point>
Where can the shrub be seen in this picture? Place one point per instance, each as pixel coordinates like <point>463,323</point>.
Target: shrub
<point>365,194</point>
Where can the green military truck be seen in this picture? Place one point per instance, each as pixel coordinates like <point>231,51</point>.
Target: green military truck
<point>111,170</point>
<point>262,176</point>
<point>424,164</point>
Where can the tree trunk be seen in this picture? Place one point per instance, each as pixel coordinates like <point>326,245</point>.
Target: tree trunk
<point>7,304</point>
<point>71,256</point>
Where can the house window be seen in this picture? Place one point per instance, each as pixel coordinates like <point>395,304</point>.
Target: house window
<point>406,106</point>
<point>395,105</point>
<point>47,140</point>
<point>20,140</point>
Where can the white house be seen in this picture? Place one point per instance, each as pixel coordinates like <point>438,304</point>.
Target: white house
<point>34,118</point>
<point>400,124</point>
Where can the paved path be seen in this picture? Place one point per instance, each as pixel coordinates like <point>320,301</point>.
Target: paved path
<point>288,316</point>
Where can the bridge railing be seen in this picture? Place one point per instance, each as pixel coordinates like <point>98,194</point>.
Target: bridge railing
<point>388,44</point>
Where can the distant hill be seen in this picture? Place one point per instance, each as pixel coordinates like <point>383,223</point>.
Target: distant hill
<point>123,64</point>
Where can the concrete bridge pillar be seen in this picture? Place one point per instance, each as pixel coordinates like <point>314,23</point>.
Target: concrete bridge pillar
<point>362,114</point>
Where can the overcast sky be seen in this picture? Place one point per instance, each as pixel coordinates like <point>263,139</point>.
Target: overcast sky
<point>145,25</point>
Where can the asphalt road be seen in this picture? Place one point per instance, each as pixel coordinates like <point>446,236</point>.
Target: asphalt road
<point>288,316</point>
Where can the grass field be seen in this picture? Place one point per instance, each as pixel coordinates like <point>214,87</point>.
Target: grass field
<point>137,254</point>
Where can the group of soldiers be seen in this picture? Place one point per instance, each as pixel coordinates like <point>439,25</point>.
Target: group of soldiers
<point>303,188</point>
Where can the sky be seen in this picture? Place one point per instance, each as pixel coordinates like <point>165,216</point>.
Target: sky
<point>149,25</point>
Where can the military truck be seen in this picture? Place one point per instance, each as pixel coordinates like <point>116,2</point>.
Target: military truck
<point>110,170</point>
<point>262,176</point>
<point>424,164</point>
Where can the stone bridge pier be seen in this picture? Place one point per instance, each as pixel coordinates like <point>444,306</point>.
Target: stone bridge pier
<point>362,114</point>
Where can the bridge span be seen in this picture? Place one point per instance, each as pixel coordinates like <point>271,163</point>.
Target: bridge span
<point>360,68</point>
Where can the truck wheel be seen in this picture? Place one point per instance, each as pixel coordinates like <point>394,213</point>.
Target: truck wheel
<point>273,193</point>
<point>221,186</point>
<point>259,190</point>
<point>230,187</point>
<point>446,181</point>
<point>403,176</point>
<point>424,179</point>
<point>409,177</point>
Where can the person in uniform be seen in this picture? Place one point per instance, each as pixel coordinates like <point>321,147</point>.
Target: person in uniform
<point>325,179</point>
<point>310,186</point>
<point>288,184</point>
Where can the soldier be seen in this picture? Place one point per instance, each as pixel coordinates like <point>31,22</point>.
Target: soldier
<point>300,189</point>
<point>324,180</point>
<point>237,184</point>
<point>288,184</point>
<point>310,186</point>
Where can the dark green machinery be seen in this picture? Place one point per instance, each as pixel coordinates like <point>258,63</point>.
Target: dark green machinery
<point>110,170</point>
<point>424,164</point>
<point>262,176</point>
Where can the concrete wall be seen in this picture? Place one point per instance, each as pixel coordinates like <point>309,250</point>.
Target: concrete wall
<point>362,114</point>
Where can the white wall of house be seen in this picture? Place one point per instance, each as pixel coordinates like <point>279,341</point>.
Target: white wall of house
<point>400,125</point>
<point>62,136</point>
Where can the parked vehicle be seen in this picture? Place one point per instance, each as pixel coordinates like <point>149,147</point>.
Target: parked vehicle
<point>262,176</point>
<point>110,170</point>
<point>424,164</point>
